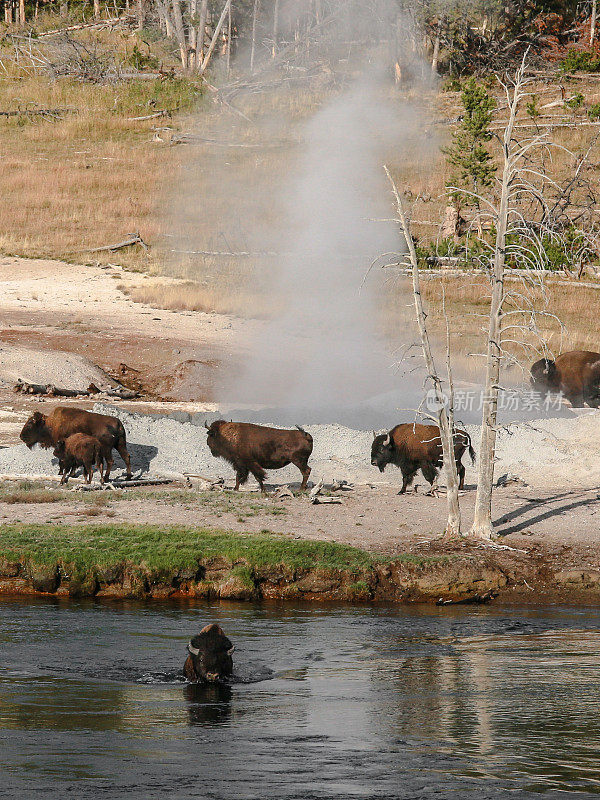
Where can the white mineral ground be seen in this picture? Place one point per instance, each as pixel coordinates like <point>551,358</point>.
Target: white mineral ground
<point>45,305</point>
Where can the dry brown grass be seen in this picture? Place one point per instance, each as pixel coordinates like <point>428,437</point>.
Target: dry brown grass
<point>88,178</point>
<point>30,492</point>
<point>93,176</point>
<point>96,511</point>
<point>467,303</point>
<point>194,296</point>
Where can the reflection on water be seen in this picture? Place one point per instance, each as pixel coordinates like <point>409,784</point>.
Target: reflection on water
<point>327,703</point>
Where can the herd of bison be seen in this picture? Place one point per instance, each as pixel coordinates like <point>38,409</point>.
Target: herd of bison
<point>84,439</point>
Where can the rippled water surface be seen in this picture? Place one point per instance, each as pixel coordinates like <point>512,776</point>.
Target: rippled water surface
<point>329,703</point>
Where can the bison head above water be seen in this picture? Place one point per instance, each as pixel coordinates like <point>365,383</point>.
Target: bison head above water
<point>209,656</point>
<point>382,450</point>
<point>35,431</point>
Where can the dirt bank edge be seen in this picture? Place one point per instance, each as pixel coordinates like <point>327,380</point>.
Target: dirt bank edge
<point>158,563</point>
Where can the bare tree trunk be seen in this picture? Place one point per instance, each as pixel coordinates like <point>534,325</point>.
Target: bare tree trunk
<point>229,42</point>
<point>201,34</point>
<point>193,50</point>
<point>446,421</point>
<point>436,51</point>
<point>482,522</point>
<point>96,9</point>
<point>275,27</point>
<point>253,45</point>
<point>593,22</point>
<point>22,12</point>
<point>215,37</point>
<point>165,16</point>
<point>180,33</point>
<point>141,14</point>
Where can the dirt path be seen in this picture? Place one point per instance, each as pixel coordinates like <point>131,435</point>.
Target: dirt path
<point>55,307</point>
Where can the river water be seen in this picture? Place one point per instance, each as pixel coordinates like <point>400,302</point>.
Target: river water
<point>329,702</point>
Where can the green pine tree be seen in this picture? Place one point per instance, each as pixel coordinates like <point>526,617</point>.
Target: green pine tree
<point>468,154</point>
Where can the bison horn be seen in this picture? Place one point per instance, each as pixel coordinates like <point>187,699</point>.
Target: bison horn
<point>193,650</point>
<point>386,441</point>
<point>374,434</point>
<point>230,651</point>
<point>206,426</point>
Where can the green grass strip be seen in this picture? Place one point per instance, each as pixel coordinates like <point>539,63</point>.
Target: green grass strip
<point>159,548</point>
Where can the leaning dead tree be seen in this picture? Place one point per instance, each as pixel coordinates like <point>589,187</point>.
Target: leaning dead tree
<point>443,402</point>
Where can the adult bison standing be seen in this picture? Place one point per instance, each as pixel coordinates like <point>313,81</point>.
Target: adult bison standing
<point>48,429</point>
<point>413,447</point>
<point>255,448</point>
<point>576,375</point>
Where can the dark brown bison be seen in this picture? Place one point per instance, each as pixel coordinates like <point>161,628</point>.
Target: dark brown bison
<point>413,447</point>
<point>209,655</point>
<point>576,375</point>
<point>63,421</point>
<point>79,450</point>
<point>255,448</point>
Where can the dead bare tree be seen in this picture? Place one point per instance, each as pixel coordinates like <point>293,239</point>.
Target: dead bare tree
<point>482,522</point>
<point>253,38</point>
<point>531,212</point>
<point>443,402</point>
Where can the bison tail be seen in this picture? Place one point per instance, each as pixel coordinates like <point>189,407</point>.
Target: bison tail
<point>471,451</point>
<point>308,436</point>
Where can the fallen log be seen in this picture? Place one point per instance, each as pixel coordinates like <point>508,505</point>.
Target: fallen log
<point>101,23</point>
<point>43,112</point>
<point>133,238</point>
<point>164,113</point>
<point>121,484</point>
<point>48,390</point>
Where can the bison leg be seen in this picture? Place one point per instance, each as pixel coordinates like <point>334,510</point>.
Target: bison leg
<point>259,474</point>
<point>241,476</point>
<point>430,474</point>
<point>305,476</point>
<point>408,473</point>
<point>100,466</point>
<point>109,465</point>
<point>121,448</point>
<point>576,400</point>
<point>461,474</point>
<point>302,464</point>
<point>88,471</point>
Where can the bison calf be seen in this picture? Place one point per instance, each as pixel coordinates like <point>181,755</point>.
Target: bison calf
<point>255,448</point>
<point>79,450</point>
<point>48,429</point>
<point>209,655</point>
<point>413,447</point>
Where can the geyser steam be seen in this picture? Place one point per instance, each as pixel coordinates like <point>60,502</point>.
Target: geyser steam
<point>322,348</point>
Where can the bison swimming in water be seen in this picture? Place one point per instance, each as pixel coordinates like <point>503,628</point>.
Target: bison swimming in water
<point>209,655</point>
<point>413,447</point>
<point>48,430</point>
<point>255,448</point>
<point>576,375</point>
<point>79,450</point>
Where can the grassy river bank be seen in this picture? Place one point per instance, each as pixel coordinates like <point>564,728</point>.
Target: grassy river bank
<point>158,562</point>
